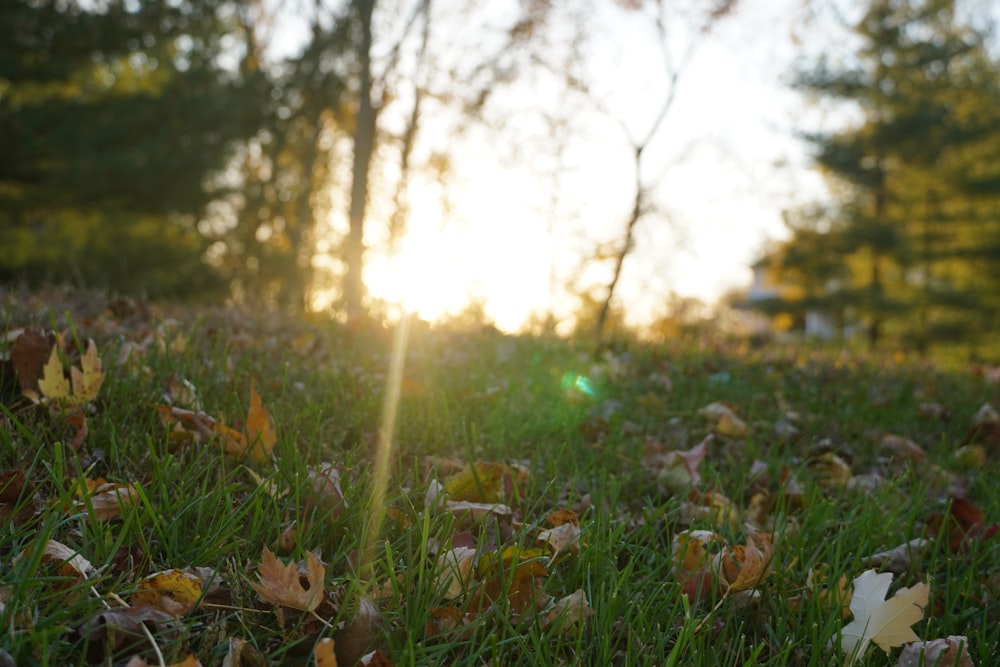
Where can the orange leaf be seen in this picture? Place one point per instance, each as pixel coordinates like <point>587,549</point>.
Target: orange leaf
<point>280,584</point>
<point>261,435</point>
<point>323,653</point>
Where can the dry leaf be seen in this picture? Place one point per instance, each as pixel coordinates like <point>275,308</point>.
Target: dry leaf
<point>742,567</point>
<point>260,432</point>
<point>189,661</point>
<point>724,420</point>
<point>56,390</point>
<point>485,482</point>
<point>561,539</point>
<point>898,559</point>
<point>952,651</point>
<point>455,568</point>
<point>280,584</point>
<point>175,592</point>
<point>323,653</point>
<point>885,622</point>
<point>105,499</point>
<point>28,353</point>
<point>568,612</point>
<point>70,563</point>
<point>677,471</point>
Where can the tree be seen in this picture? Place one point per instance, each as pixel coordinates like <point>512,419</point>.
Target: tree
<point>926,89</point>
<point>675,62</point>
<point>113,118</point>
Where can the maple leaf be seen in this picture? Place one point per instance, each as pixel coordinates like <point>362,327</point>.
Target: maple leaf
<point>885,622</point>
<point>82,387</point>
<point>280,583</point>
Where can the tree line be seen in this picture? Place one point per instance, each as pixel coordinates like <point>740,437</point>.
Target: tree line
<point>908,247</point>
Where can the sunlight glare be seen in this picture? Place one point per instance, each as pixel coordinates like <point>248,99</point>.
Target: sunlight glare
<point>438,271</point>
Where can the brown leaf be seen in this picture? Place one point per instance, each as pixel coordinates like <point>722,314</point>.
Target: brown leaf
<point>189,661</point>
<point>114,630</point>
<point>360,634</point>
<point>12,483</point>
<point>28,354</point>
<point>325,493</point>
<point>106,499</point>
<point>280,583</point>
<point>952,651</point>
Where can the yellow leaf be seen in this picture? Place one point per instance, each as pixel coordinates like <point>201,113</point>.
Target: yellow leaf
<point>175,592</point>
<point>87,379</point>
<point>323,653</point>
<point>261,435</point>
<point>53,383</point>
<point>280,584</point>
<point>485,482</point>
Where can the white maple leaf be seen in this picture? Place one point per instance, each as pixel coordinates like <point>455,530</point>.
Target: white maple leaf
<point>885,622</point>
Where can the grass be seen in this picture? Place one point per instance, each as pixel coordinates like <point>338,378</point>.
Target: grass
<point>580,428</point>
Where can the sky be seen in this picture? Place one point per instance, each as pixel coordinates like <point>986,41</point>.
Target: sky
<point>725,163</point>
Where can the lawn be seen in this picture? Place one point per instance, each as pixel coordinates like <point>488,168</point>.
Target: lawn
<point>235,487</point>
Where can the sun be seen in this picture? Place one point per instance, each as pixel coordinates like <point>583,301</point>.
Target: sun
<point>440,269</point>
<point>421,277</point>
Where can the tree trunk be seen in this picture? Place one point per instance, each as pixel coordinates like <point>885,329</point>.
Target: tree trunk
<point>364,146</point>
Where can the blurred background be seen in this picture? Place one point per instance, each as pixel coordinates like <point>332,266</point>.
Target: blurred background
<point>828,168</point>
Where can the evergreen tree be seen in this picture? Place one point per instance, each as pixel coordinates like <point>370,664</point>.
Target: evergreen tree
<point>114,118</point>
<point>926,87</point>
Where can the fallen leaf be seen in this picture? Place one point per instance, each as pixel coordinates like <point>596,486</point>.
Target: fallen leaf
<point>280,583</point>
<point>564,539</point>
<point>568,612</point>
<point>175,592</point>
<point>124,628</point>
<point>952,651</point>
<point>742,567</point>
<point>189,661</point>
<point>324,654</point>
<point>885,622</point>
<point>724,420</point>
<point>260,432</point>
<point>69,563</point>
<point>84,384</point>
<point>104,499</point>
<point>454,568</point>
<point>677,471</point>
<point>898,559</point>
<point>485,482</point>
<point>28,354</point>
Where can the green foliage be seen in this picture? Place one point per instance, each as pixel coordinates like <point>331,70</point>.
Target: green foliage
<point>909,244</point>
<point>114,120</point>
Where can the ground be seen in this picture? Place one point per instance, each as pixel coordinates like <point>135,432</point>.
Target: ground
<point>206,484</point>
